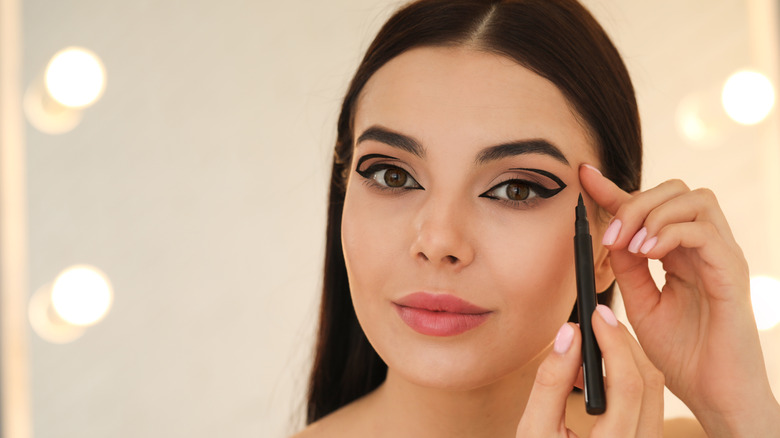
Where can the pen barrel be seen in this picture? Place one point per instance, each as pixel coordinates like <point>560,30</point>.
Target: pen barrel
<point>595,399</point>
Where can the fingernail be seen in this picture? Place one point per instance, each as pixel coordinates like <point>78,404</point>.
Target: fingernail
<point>610,236</point>
<point>591,167</point>
<point>647,246</point>
<point>607,315</point>
<point>636,242</point>
<point>563,339</point>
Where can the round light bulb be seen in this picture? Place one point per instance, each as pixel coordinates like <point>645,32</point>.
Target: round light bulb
<point>75,77</point>
<point>765,294</point>
<point>748,97</point>
<point>81,295</point>
<point>46,322</point>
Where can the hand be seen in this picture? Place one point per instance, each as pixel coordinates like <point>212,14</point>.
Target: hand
<point>634,386</point>
<point>699,328</point>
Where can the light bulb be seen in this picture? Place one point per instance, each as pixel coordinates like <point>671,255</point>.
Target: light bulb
<point>81,295</point>
<point>748,97</point>
<point>75,77</point>
<point>765,294</point>
<point>46,322</point>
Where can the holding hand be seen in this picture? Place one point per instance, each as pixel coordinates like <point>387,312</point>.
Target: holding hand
<point>699,328</point>
<point>634,386</point>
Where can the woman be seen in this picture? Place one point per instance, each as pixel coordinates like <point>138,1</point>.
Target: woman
<point>465,138</point>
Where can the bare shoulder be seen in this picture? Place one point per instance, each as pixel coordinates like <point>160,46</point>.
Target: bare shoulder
<point>314,430</point>
<point>349,421</point>
<point>333,425</point>
<point>683,428</point>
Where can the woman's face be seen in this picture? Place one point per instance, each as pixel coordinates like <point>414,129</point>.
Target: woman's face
<point>459,215</point>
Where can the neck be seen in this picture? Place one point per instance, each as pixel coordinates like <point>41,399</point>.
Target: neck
<point>403,408</point>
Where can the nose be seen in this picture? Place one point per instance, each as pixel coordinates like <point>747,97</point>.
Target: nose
<point>442,235</point>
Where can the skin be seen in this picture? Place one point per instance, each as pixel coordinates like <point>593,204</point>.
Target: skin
<point>439,233</point>
<point>448,239</point>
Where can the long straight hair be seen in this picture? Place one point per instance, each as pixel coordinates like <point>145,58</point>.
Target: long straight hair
<point>557,39</point>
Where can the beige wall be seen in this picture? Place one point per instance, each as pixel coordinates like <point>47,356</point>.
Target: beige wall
<point>197,184</point>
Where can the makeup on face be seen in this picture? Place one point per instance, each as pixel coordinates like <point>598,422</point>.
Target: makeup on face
<point>460,124</point>
<point>518,189</point>
<point>529,181</point>
<point>592,374</point>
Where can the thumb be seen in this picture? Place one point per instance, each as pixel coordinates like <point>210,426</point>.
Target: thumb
<point>545,413</point>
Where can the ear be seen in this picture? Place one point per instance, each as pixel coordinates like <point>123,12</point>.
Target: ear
<point>602,268</point>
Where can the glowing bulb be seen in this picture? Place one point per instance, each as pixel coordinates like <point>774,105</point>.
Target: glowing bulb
<point>81,295</point>
<point>765,294</point>
<point>75,77</point>
<point>748,97</point>
<point>46,322</point>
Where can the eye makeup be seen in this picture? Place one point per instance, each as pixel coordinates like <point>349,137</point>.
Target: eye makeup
<point>367,157</point>
<point>526,184</point>
<point>561,184</point>
<point>520,186</point>
<point>386,176</point>
<point>520,189</point>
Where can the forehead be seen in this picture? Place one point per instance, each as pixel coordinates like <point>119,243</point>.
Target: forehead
<point>459,95</point>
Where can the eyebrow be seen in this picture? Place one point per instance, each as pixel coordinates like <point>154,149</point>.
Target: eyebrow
<point>492,153</point>
<point>533,146</point>
<point>400,141</point>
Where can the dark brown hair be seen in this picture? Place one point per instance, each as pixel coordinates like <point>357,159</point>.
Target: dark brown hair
<point>557,39</point>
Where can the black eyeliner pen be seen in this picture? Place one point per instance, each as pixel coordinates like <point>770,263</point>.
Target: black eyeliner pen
<point>595,398</point>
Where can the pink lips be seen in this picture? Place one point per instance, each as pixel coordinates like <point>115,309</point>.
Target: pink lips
<point>439,314</point>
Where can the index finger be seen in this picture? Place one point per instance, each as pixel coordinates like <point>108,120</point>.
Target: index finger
<point>603,191</point>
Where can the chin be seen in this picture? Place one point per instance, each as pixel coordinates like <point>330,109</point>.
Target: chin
<point>459,366</point>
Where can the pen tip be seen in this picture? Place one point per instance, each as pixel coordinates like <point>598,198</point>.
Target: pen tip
<point>581,216</point>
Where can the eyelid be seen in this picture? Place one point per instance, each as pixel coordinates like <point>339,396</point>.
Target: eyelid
<point>399,165</point>
<point>544,173</point>
<point>533,180</point>
<point>367,157</point>
<point>368,174</point>
<point>540,190</point>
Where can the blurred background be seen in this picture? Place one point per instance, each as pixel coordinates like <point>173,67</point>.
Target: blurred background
<point>163,227</point>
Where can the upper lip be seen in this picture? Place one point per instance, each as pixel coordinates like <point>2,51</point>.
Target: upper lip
<point>440,303</point>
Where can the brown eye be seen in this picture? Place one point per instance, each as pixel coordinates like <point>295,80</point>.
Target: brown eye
<point>395,177</point>
<point>387,176</point>
<point>521,193</point>
<point>517,191</point>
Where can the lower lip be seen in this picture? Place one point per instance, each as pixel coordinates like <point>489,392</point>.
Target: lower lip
<point>432,323</point>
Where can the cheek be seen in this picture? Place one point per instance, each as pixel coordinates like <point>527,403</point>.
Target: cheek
<point>372,238</point>
<point>364,238</point>
<point>535,269</point>
<point>369,247</point>
<point>356,242</point>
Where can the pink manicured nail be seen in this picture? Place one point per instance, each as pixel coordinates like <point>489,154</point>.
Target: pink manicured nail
<point>607,314</point>
<point>650,244</point>
<point>563,339</point>
<point>591,167</point>
<point>610,236</point>
<point>636,242</point>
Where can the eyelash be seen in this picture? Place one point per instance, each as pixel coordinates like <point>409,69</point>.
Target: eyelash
<point>539,191</point>
<point>371,179</point>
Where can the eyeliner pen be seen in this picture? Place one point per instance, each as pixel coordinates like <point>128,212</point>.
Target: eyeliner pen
<point>595,397</point>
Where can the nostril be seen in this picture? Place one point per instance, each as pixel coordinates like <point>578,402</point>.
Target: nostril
<point>452,259</point>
